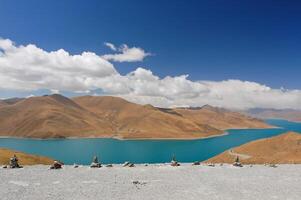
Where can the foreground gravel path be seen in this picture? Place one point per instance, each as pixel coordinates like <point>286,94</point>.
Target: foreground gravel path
<point>152,182</point>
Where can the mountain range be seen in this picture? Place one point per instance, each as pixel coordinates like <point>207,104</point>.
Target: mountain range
<point>56,116</point>
<point>287,114</point>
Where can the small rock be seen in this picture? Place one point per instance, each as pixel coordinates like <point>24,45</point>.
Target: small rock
<point>131,165</point>
<point>196,163</point>
<point>128,164</point>
<point>125,164</point>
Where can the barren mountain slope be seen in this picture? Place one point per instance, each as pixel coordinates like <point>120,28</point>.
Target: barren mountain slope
<point>50,117</point>
<point>284,149</point>
<point>136,121</point>
<point>221,118</point>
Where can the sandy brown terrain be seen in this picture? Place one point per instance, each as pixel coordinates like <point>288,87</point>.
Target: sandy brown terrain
<point>136,121</point>
<point>56,116</point>
<point>24,158</point>
<point>281,149</point>
<point>2,103</point>
<point>50,117</point>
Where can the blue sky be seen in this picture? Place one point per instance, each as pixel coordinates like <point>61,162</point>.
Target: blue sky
<point>257,41</point>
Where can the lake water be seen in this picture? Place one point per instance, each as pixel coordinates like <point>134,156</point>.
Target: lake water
<point>81,151</point>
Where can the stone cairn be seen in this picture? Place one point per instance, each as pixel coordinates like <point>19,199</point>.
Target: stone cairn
<point>56,165</point>
<point>95,163</point>
<point>13,162</point>
<point>174,162</point>
<point>237,163</point>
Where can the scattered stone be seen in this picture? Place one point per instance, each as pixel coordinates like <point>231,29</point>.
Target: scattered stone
<point>95,163</point>
<point>75,166</point>
<point>109,165</point>
<point>211,165</point>
<point>5,167</point>
<point>56,165</point>
<point>273,165</point>
<point>138,183</point>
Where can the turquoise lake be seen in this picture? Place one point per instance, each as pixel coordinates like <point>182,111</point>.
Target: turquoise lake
<point>81,151</point>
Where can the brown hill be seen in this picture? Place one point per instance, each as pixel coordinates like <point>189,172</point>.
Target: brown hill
<point>24,158</point>
<point>281,149</point>
<point>136,121</point>
<point>12,100</point>
<point>221,118</point>
<point>50,117</point>
<point>56,116</point>
<point>287,114</point>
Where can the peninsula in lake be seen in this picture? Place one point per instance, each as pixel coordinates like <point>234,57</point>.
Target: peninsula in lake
<point>281,149</point>
<point>56,116</point>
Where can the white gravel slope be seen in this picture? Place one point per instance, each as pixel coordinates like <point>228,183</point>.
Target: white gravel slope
<point>155,182</point>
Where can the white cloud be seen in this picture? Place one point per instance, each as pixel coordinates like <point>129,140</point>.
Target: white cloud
<point>111,46</point>
<point>125,54</point>
<point>54,91</point>
<point>31,68</point>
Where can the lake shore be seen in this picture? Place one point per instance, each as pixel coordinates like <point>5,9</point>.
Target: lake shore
<point>142,138</point>
<point>156,181</point>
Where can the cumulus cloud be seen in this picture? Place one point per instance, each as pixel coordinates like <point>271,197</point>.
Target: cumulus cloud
<point>31,68</point>
<point>125,53</point>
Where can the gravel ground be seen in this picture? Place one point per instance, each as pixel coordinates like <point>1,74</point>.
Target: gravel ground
<point>152,182</point>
